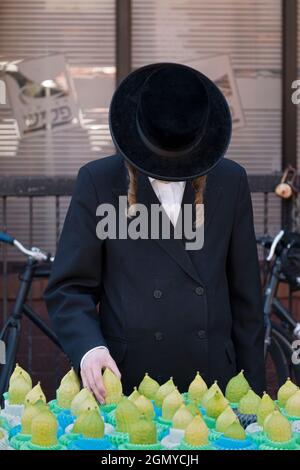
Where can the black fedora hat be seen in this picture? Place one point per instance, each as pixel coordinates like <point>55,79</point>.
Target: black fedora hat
<point>170,121</point>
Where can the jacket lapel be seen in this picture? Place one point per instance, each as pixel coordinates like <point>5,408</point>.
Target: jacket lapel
<point>172,246</point>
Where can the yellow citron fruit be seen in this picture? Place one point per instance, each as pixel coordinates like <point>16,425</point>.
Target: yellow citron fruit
<point>18,390</point>
<point>182,418</point>
<point>30,412</point>
<point>148,387</point>
<point>286,391</point>
<point>292,406</point>
<point>210,393</point>
<point>69,387</point>
<point>145,407</point>
<point>134,395</point>
<point>277,427</point>
<point>82,401</point>
<point>171,404</point>
<point>197,389</point>
<point>143,431</point>
<point>216,405</point>
<point>236,388</point>
<point>90,424</point>
<point>127,413</point>
<point>266,407</point>
<point>163,391</point>
<point>35,395</point>
<point>193,408</point>
<point>225,419</point>
<point>20,371</point>
<point>44,429</point>
<point>2,435</point>
<point>249,403</point>
<point>113,387</point>
<point>196,433</point>
<point>235,431</point>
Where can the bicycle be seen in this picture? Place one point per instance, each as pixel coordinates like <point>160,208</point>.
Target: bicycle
<point>38,266</point>
<point>282,331</point>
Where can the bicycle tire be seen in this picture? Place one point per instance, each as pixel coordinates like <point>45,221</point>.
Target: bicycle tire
<point>277,356</point>
<point>285,339</point>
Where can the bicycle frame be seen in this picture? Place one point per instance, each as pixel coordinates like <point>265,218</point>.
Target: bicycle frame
<point>10,333</point>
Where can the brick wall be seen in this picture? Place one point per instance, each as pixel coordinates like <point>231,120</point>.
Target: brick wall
<point>43,359</point>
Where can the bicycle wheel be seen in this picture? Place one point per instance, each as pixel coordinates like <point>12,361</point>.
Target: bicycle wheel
<point>285,339</point>
<point>277,366</point>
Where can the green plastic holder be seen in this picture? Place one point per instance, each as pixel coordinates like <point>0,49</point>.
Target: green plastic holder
<point>55,409</point>
<point>165,422</point>
<point>4,424</point>
<point>18,440</point>
<point>257,437</point>
<point>118,438</point>
<point>111,417</point>
<point>234,406</point>
<point>66,439</point>
<point>30,446</point>
<point>108,408</point>
<point>271,445</point>
<point>290,418</point>
<point>210,422</point>
<point>129,446</point>
<point>214,435</point>
<point>185,446</point>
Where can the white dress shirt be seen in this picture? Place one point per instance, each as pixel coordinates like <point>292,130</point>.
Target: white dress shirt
<point>170,194</point>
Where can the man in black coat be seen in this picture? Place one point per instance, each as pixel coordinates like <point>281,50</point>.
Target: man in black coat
<point>151,305</point>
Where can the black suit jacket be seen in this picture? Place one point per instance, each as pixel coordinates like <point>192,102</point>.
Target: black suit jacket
<point>161,309</point>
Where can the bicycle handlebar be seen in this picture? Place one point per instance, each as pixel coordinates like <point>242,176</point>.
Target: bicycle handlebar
<point>34,252</point>
<point>6,238</point>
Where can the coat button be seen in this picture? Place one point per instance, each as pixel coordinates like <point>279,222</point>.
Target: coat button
<point>157,294</point>
<point>201,334</point>
<point>158,335</point>
<point>199,290</point>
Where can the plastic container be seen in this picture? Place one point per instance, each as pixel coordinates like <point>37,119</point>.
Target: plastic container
<point>185,446</point>
<point>18,440</point>
<point>164,422</point>
<point>83,443</point>
<point>111,417</point>
<point>55,409</point>
<point>257,437</point>
<point>271,445</point>
<point>210,422</point>
<point>108,408</point>
<point>224,443</point>
<point>64,420</point>
<point>66,439</point>
<point>28,445</point>
<point>214,435</point>
<point>290,418</point>
<point>129,446</point>
<point>118,438</point>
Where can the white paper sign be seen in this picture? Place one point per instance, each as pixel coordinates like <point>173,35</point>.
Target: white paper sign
<point>220,71</point>
<point>42,95</point>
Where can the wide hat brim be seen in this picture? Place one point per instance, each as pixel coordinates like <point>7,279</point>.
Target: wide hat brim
<point>197,161</point>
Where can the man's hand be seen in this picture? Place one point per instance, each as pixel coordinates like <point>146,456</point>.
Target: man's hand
<point>91,372</point>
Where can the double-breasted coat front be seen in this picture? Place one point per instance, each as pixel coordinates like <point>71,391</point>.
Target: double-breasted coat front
<point>158,307</point>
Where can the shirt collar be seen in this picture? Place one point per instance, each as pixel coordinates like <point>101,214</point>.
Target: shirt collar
<point>155,181</point>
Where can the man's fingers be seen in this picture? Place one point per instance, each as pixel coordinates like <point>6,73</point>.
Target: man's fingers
<point>113,367</point>
<point>92,386</point>
<point>98,381</point>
